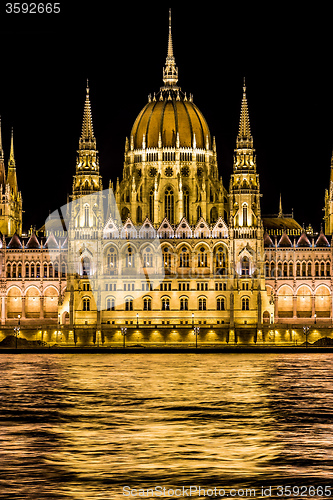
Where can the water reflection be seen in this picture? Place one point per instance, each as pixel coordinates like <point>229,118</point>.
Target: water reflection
<point>84,426</point>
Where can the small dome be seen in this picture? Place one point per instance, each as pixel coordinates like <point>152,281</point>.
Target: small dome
<point>168,117</point>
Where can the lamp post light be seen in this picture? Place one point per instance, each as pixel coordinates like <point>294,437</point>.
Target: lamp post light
<point>17,330</point>
<point>196,333</point>
<point>192,320</point>
<point>315,317</point>
<point>123,332</point>
<point>137,320</point>
<point>306,333</point>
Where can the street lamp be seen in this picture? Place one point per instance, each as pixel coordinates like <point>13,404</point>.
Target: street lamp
<point>17,330</point>
<point>306,332</point>
<point>137,320</point>
<point>123,332</point>
<point>196,333</point>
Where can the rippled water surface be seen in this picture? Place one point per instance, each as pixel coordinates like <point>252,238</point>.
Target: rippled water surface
<point>84,426</point>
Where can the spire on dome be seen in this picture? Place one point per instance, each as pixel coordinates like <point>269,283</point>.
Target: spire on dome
<point>244,138</point>
<point>87,140</point>
<point>170,71</point>
<point>280,214</point>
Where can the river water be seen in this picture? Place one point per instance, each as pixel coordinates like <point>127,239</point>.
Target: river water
<point>110,426</point>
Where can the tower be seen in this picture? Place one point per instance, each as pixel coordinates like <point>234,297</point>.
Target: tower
<point>86,219</point>
<point>246,229</point>
<point>10,196</point>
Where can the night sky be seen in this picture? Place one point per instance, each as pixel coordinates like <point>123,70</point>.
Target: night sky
<point>285,55</point>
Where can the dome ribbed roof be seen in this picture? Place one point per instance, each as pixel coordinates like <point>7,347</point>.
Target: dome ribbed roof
<point>164,119</point>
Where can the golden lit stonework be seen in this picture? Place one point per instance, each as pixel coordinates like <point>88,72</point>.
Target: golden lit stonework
<point>168,253</point>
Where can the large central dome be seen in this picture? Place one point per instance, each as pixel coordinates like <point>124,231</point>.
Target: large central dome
<point>170,119</point>
<point>163,120</point>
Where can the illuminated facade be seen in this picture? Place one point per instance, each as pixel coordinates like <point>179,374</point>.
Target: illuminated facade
<point>228,270</point>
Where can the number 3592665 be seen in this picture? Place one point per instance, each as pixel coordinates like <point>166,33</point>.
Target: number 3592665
<point>32,8</point>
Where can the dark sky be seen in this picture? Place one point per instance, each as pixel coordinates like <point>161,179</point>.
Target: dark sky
<point>285,55</point>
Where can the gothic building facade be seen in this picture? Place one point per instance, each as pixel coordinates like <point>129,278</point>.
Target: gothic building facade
<point>95,273</point>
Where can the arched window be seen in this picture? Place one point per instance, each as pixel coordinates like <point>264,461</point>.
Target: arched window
<point>202,257</point>
<point>245,304</point>
<point>184,304</point>
<point>129,257</point>
<point>169,204</point>
<point>14,271</point>
<point>147,257</point>
<point>167,257</point>
<point>129,304</point>
<point>85,266</point>
<point>186,201</point>
<point>213,215</point>
<point>245,223</point>
<point>291,269</point>
<point>328,268</point>
<point>151,205</point>
<point>86,215</point>
<point>220,304</point>
<point>303,269</point>
<point>111,258</point>
<point>165,304</point>
<point>45,270</point>
<point>245,266</point>
<point>124,213</point>
<point>9,271</point>
<point>322,269</point>
<point>184,258</point>
<point>147,304</point>
<point>221,260</point>
<point>27,271</point>
<point>139,214</point>
<point>86,304</point>
<point>266,269</point>
<point>202,303</point>
<point>110,304</point>
<point>19,271</point>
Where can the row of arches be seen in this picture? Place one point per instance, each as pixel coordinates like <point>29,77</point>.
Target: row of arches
<point>184,257</point>
<point>31,303</point>
<point>303,302</point>
<point>165,303</point>
<point>35,270</point>
<point>303,269</point>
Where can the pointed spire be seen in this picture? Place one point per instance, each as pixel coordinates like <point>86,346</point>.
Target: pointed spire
<point>87,140</point>
<point>244,138</point>
<point>170,71</point>
<point>11,154</point>
<point>280,214</point>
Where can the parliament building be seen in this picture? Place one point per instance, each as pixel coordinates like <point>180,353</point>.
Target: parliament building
<point>230,274</point>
